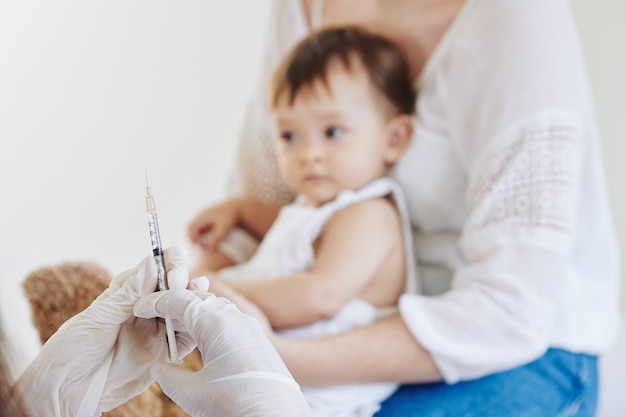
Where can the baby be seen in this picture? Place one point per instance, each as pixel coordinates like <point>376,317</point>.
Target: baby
<point>340,255</point>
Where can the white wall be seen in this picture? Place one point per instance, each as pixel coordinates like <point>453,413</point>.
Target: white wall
<point>603,33</point>
<point>93,93</point>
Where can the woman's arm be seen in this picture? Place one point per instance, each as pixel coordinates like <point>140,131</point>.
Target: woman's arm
<point>383,351</point>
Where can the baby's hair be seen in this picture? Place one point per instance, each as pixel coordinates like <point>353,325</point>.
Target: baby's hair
<point>308,62</point>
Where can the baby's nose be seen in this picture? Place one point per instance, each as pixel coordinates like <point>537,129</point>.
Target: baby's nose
<point>312,151</point>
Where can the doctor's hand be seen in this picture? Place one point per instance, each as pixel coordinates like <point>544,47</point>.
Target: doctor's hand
<point>243,374</point>
<point>101,357</point>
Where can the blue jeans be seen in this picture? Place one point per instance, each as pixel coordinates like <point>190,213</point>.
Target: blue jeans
<point>559,384</point>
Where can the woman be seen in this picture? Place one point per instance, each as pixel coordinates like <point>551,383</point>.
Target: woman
<point>512,230</point>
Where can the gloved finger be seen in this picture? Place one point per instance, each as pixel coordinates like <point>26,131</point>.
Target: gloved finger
<point>203,295</point>
<point>138,283</point>
<point>120,279</point>
<point>173,380</point>
<point>151,306</point>
<point>185,343</point>
<point>172,303</point>
<point>199,284</point>
<point>175,255</point>
<point>175,258</point>
<point>115,306</point>
<point>177,278</point>
<point>161,303</point>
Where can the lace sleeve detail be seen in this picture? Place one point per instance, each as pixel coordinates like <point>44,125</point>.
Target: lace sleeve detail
<point>527,188</point>
<point>256,169</point>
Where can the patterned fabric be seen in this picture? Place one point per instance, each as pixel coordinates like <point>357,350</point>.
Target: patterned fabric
<point>528,186</point>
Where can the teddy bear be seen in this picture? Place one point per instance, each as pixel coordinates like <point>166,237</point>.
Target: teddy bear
<point>56,293</point>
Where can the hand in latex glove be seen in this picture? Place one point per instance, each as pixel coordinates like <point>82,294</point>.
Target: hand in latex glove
<point>101,357</point>
<point>243,374</point>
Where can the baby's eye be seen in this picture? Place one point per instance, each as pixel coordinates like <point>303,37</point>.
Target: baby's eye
<point>334,132</point>
<point>288,136</point>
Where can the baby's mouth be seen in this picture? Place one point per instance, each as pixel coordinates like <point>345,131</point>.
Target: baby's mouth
<point>314,178</point>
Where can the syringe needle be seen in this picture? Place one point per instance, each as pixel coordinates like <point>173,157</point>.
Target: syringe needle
<point>157,253</point>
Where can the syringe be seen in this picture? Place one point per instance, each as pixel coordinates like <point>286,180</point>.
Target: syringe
<point>157,252</point>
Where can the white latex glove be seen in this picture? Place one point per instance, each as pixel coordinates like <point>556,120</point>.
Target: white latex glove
<point>243,375</point>
<point>101,357</point>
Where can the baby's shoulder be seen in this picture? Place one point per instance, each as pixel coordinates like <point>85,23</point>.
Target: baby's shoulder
<point>373,214</point>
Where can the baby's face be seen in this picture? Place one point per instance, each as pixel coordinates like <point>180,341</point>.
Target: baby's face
<point>333,139</point>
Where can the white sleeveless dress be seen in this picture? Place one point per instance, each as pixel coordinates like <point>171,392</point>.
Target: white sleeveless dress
<point>288,248</point>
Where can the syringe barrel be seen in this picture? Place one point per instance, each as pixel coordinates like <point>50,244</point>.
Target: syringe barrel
<point>157,251</point>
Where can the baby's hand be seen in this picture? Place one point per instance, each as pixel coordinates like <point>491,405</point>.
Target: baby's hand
<point>210,226</point>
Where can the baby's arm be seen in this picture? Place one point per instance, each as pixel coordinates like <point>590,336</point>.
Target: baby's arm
<point>353,250</point>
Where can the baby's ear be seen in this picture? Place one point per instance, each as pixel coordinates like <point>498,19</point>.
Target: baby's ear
<point>399,133</point>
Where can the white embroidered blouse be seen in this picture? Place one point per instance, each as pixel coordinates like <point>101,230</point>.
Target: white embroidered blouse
<point>505,187</point>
